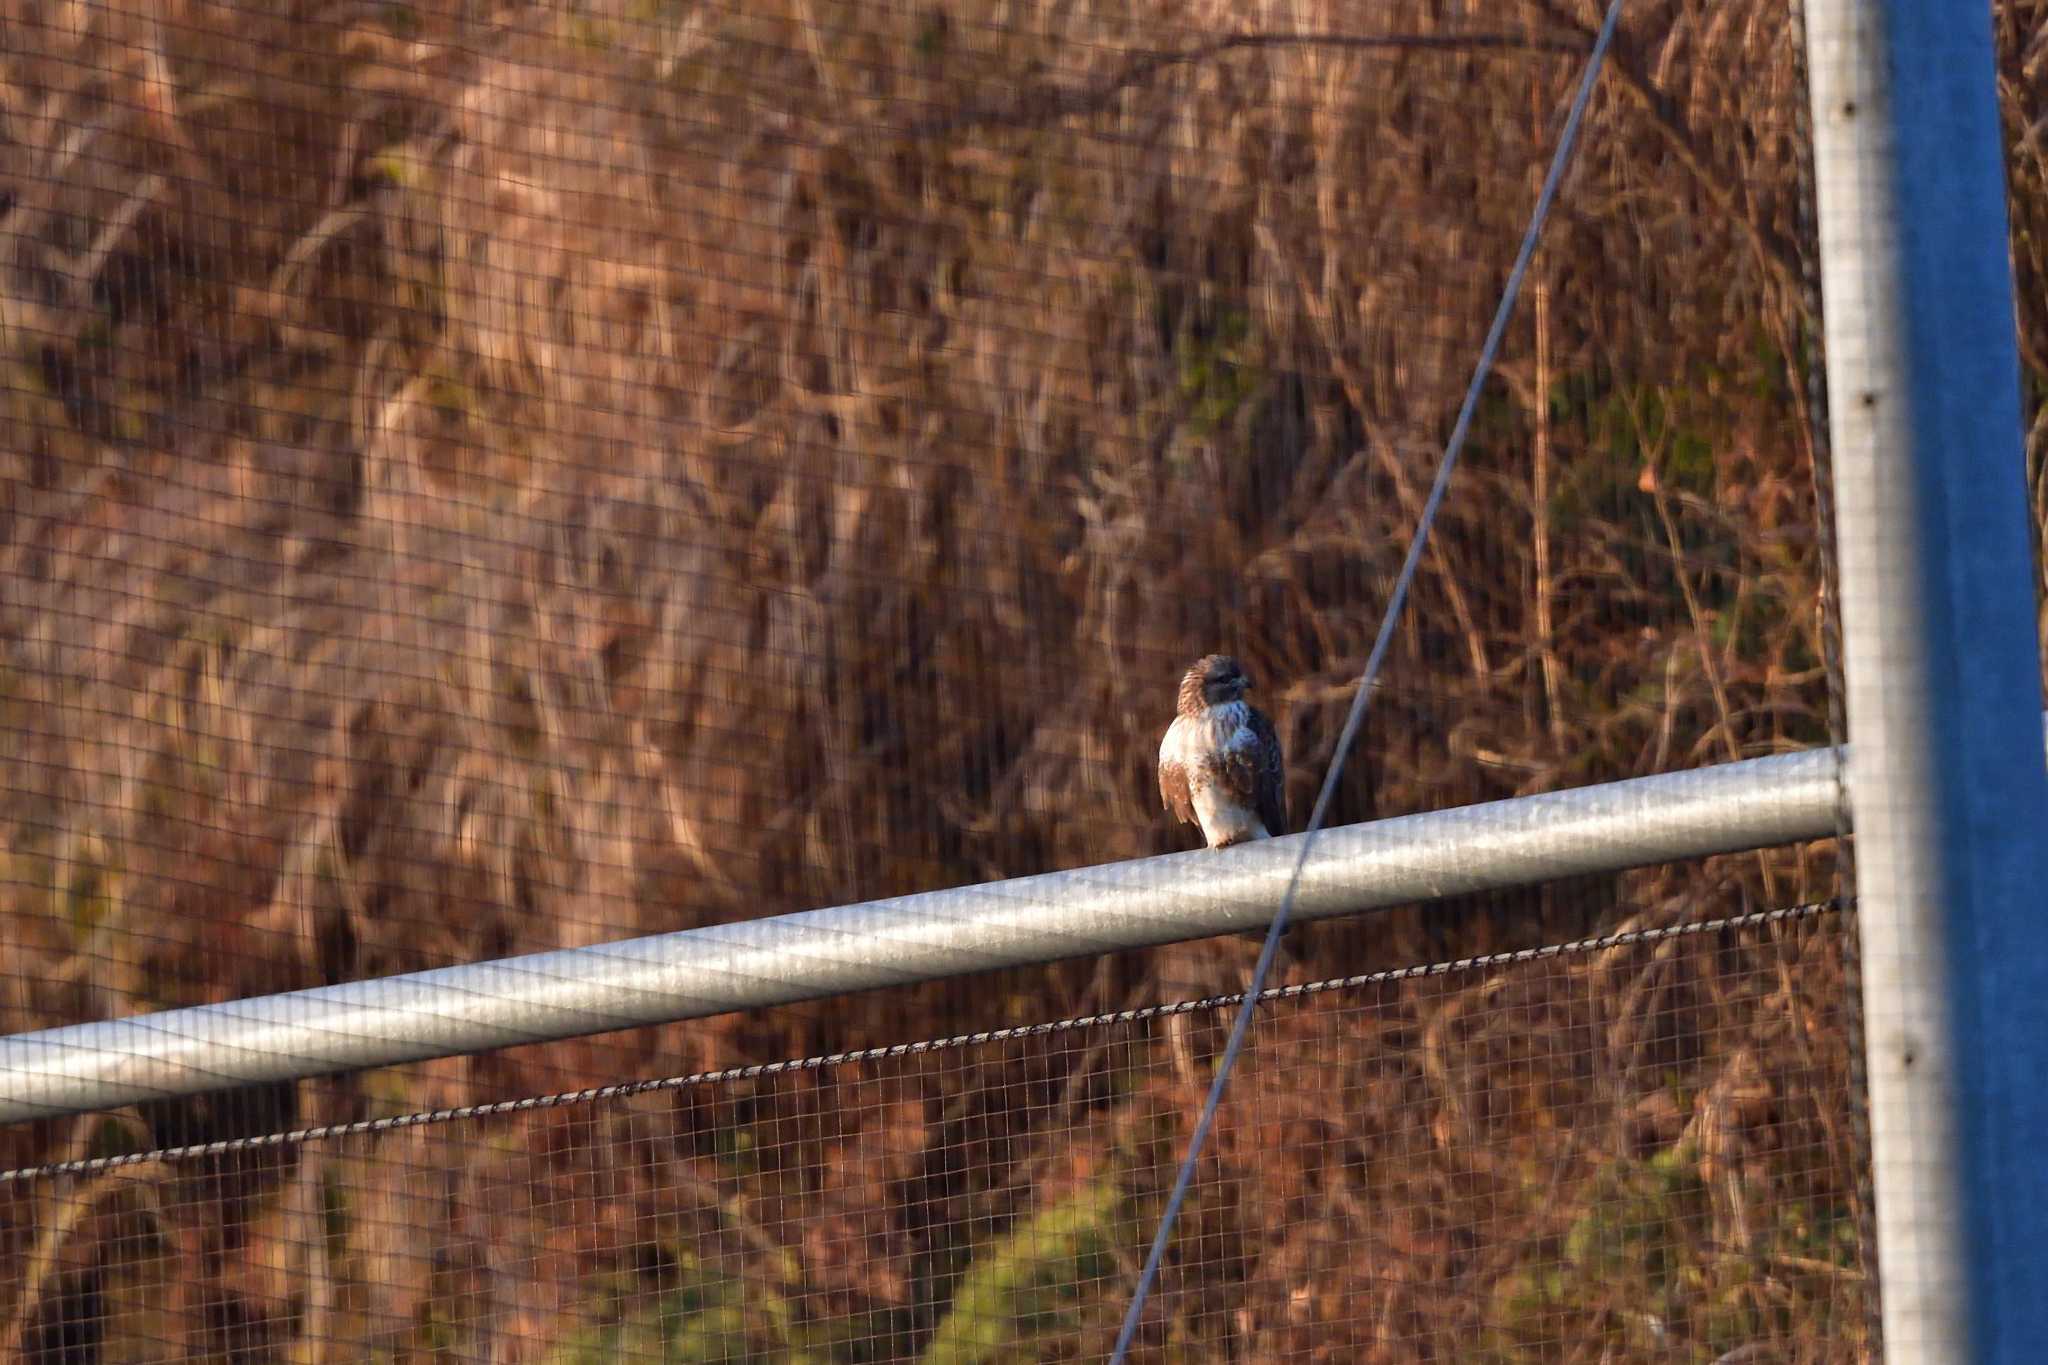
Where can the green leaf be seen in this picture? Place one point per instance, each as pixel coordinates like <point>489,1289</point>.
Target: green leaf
<point>1013,1294</point>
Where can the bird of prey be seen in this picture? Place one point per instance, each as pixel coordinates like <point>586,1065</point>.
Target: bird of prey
<point>1220,764</point>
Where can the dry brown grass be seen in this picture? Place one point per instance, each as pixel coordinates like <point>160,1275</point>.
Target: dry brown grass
<point>479,481</point>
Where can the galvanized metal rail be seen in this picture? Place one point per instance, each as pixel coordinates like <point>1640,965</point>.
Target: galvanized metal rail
<point>699,972</point>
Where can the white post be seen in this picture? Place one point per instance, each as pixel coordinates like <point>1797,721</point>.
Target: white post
<point>1947,787</point>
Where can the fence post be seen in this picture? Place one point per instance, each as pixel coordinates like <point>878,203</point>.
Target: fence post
<point>1946,782</point>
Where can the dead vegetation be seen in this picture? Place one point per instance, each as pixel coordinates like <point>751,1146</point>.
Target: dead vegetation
<point>482,480</point>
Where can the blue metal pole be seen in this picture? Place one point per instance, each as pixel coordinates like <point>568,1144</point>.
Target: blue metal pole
<point>1947,784</point>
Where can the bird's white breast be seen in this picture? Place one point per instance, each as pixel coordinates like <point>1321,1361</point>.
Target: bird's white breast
<point>1199,745</point>
<point>1196,743</point>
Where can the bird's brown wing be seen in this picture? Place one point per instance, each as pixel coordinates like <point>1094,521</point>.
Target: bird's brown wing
<point>1173,790</point>
<point>1253,773</point>
<point>1269,771</point>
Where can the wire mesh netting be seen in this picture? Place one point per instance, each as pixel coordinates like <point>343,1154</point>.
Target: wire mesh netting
<point>486,479</point>
<point>1476,1161</point>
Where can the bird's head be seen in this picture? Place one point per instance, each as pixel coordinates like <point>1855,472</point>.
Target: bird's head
<point>1215,680</point>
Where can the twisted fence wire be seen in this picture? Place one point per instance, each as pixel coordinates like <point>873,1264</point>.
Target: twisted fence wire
<point>754,1071</point>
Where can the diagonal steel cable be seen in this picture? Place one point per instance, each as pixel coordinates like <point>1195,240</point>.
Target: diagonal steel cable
<point>1567,141</point>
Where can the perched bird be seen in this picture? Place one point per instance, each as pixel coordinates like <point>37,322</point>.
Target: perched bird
<point>1220,764</point>
<point>1220,768</point>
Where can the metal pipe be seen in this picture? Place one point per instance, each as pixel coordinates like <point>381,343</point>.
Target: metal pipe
<point>745,965</point>
<point>1943,669</point>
